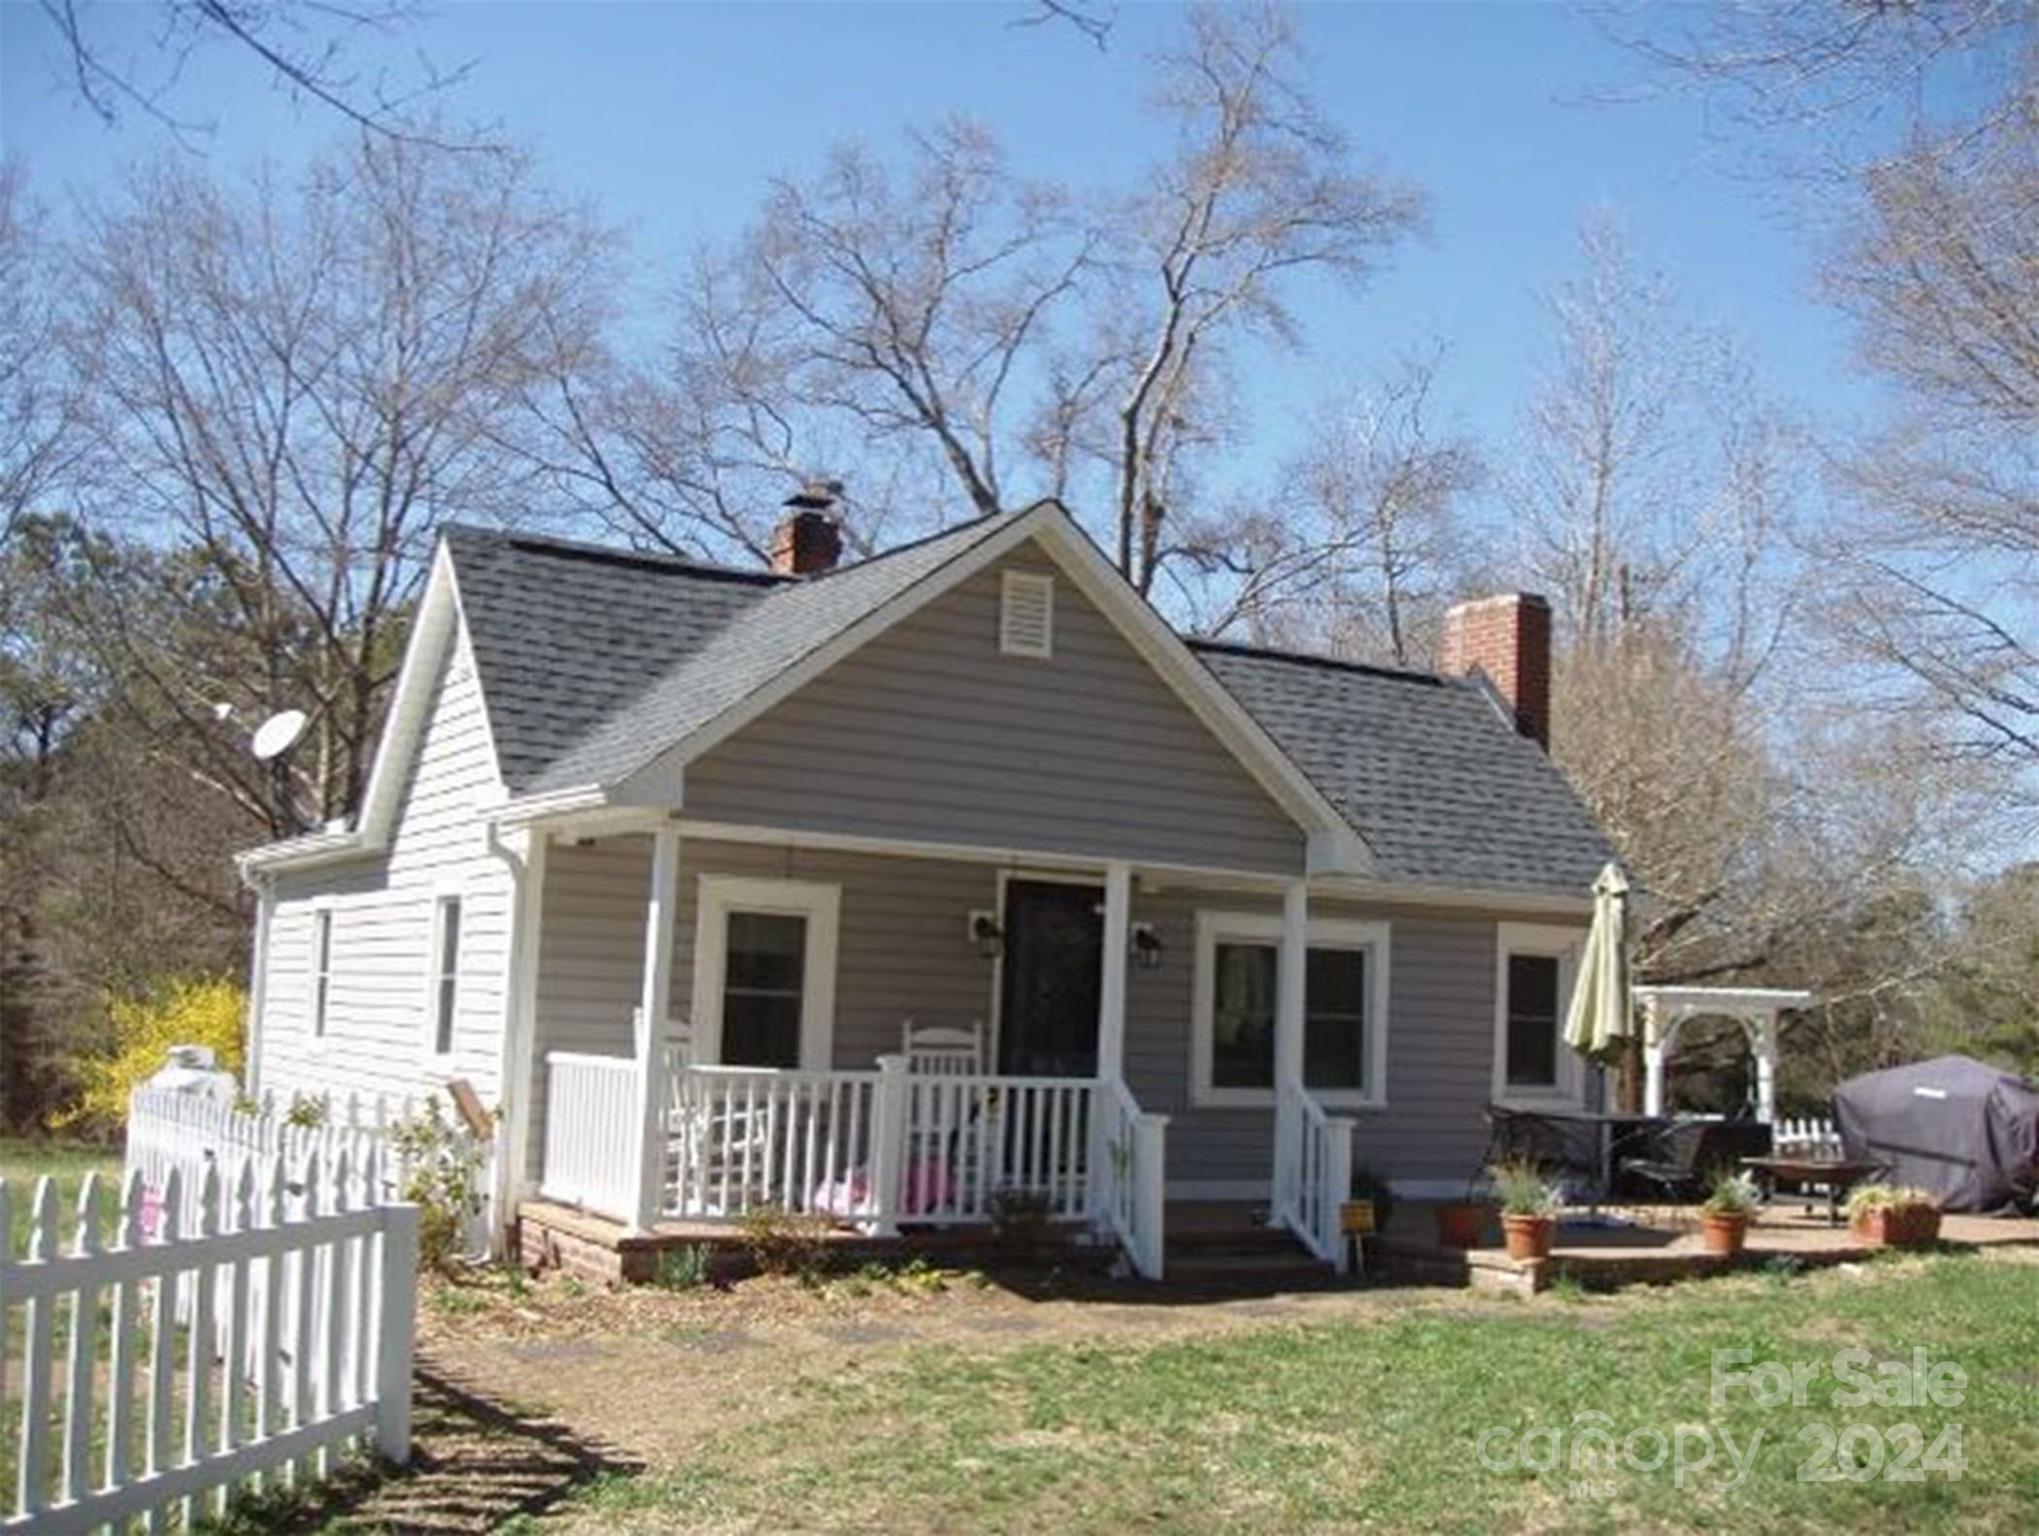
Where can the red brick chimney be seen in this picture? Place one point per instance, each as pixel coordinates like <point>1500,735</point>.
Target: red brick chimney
<point>809,541</point>
<point>1507,639</point>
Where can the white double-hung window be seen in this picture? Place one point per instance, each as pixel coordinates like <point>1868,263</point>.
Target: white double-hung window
<point>1533,973</point>
<point>1345,1010</point>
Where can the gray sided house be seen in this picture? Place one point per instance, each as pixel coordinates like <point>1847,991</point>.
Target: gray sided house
<point>880,890</point>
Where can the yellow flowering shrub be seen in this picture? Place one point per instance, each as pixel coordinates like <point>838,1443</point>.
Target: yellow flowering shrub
<point>210,1011</point>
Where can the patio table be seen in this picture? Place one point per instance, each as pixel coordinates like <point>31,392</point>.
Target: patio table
<point>1837,1174</point>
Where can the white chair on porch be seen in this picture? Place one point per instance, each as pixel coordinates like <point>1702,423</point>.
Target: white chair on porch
<point>943,1050</point>
<point>713,1138</point>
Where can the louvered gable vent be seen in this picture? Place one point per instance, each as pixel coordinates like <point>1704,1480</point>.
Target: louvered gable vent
<point>1026,615</point>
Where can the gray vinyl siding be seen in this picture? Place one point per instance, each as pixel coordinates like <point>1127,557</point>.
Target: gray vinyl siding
<point>378,1014</point>
<point>929,733</point>
<point>903,954</point>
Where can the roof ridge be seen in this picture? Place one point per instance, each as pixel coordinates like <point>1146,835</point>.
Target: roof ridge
<point>583,549</point>
<point>1314,659</point>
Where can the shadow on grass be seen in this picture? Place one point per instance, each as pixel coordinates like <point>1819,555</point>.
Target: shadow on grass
<point>477,1465</point>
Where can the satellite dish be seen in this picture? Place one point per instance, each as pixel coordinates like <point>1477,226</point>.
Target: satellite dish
<point>278,734</point>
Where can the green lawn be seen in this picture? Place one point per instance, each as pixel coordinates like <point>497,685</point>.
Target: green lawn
<point>1377,1424</point>
<point>23,1162</point>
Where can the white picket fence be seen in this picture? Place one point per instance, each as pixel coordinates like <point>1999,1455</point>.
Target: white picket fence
<point>189,1133</point>
<point>244,1348</point>
<point>1805,1138</point>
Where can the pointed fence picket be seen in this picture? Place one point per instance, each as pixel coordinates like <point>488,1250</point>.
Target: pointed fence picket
<point>1810,1137</point>
<point>145,1372</point>
<point>167,1129</point>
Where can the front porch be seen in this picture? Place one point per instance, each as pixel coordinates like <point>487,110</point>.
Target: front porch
<point>785,970</point>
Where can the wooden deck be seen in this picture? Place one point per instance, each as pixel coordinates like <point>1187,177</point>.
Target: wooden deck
<point>1653,1245</point>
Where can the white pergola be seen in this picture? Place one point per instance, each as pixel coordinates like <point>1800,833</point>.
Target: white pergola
<point>1754,1008</point>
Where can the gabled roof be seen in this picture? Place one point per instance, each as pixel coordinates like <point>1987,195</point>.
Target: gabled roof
<point>754,642</point>
<point>1443,789</point>
<point>595,665</point>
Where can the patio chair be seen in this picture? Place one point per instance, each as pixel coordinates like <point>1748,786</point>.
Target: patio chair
<point>1675,1168</point>
<point>943,1050</point>
<point>1566,1150</point>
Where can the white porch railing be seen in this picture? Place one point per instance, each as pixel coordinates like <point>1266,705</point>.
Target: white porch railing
<point>878,1148</point>
<point>590,1132</point>
<point>1131,1176</point>
<point>745,1137</point>
<point>1312,1173</point>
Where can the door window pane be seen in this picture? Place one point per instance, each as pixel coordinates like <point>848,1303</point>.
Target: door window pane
<point>322,969</point>
<point>1533,1021</point>
<point>763,985</point>
<point>1334,1023</point>
<point>1242,1016</point>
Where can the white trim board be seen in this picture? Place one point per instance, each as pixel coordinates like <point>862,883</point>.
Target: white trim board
<point>1564,945</point>
<point>1213,927</point>
<point>821,904</point>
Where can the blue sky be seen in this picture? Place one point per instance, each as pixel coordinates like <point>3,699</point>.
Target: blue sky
<point>670,117</point>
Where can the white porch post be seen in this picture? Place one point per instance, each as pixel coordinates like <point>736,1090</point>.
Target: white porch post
<point>1290,981</point>
<point>1291,971</point>
<point>1764,1038</point>
<point>662,905</point>
<point>1655,1047</point>
<point>1111,992</point>
<point>522,1081</point>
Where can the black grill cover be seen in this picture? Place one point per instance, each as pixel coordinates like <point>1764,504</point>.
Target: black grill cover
<point>1954,1125</point>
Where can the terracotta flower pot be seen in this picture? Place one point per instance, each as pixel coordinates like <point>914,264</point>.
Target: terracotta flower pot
<point>1529,1237</point>
<point>1724,1232</point>
<point>1461,1225</point>
<point>1898,1226</point>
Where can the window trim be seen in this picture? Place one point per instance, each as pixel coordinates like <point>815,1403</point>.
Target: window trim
<point>318,1022</point>
<point>821,904</point>
<point>1036,584</point>
<point>443,898</point>
<point>1216,927</point>
<point>1563,945</point>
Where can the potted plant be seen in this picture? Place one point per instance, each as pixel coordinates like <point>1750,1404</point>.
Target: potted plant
<point>1894,1216</point>
<point>1529,1208</point>
<point>1729,1208</point>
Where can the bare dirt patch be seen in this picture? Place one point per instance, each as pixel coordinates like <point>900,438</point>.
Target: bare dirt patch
<point>658,1371</point>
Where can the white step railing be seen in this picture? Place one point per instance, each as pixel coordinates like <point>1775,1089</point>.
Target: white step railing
<point>159,1371</point>
<point>1132,1172</point>
<point>590,1133</point>
<point>1312,1173</point>
<point>1805,1138</point>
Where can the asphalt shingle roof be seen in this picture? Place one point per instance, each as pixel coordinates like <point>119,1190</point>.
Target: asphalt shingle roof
<point>593,660</point>
<point>1441,787</point>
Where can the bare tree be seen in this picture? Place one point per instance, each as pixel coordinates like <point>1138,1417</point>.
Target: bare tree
<point>310,48</point>
<point>1939,568</point>
<point>1368,545</point>
<point>39,404</point>
<point>1260,190</point>
<point>294,388</point>
<point>969,338</point>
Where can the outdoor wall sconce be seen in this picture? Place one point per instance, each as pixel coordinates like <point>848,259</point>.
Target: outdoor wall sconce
<point>986,934</point>
<point>1147,946</point>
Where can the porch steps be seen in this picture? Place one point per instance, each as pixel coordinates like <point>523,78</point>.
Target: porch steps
<point>1230,1247</point>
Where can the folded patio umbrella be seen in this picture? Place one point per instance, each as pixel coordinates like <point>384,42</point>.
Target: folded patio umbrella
<point>1599,1015</point>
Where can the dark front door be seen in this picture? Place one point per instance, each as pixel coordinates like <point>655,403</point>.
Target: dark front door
<point>1054,943</point>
